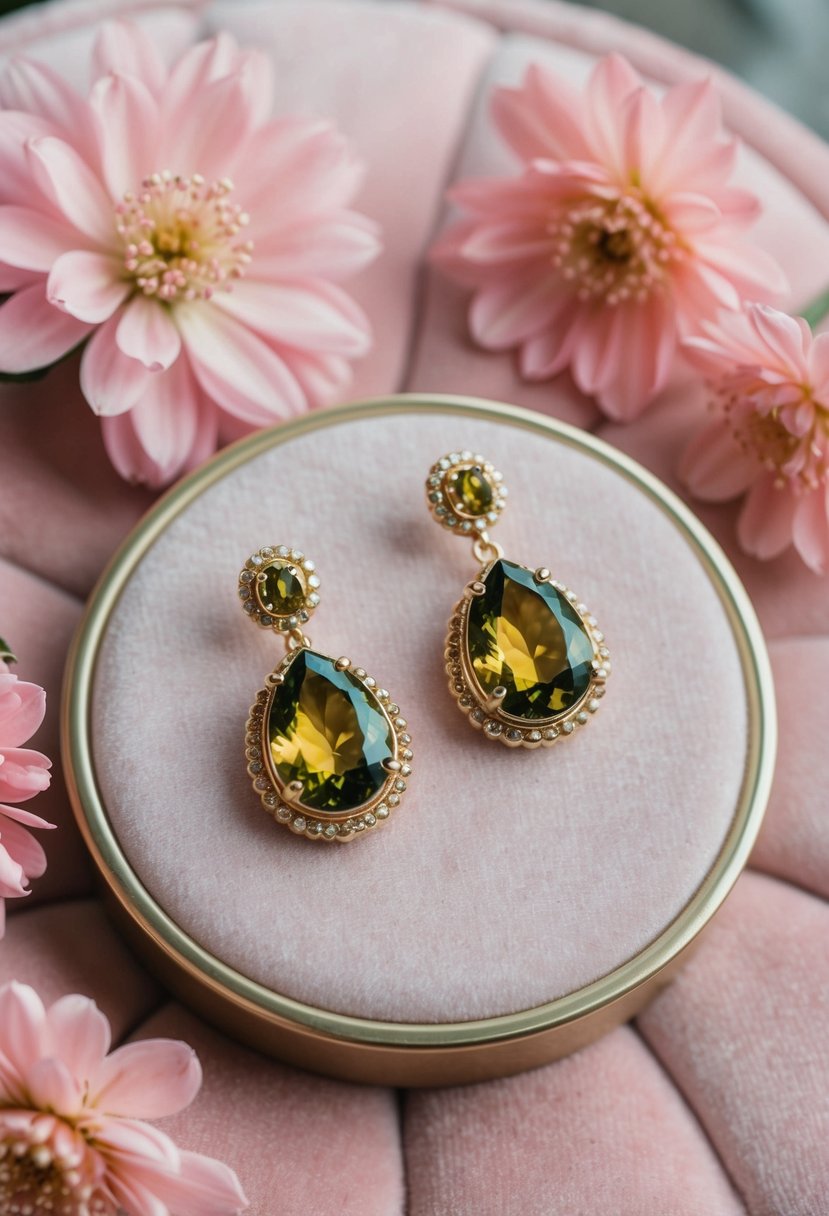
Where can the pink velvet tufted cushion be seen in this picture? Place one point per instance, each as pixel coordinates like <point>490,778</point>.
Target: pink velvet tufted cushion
<point>715,1101</point>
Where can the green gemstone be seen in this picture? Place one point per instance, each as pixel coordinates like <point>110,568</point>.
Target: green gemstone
<point>471,492</point>
<point>281,590</point>
<point>526,637</point>
<point>326,730</point>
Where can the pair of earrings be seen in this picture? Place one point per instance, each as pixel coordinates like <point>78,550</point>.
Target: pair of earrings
<point>328,750</point>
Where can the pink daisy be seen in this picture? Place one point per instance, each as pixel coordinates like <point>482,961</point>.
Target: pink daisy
<point>619,234</point>
<point>769,438</point>
<point>72,1137</point>
<point>192,241</point>
<point>23,773</point>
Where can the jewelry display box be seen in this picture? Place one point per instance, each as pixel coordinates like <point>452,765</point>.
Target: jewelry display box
<point>519,903</point>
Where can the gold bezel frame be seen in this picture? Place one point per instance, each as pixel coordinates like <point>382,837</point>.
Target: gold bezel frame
<point>286,807</point>
<point>371,1050</point>
<point>281,556</point>
<point>444,508</point>
<point>486,715</point>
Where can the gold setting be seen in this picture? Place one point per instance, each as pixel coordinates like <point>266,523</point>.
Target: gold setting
<point>444,502</point>
<point>280,799</point>
<point>285,804</point>
<point>484,713</point>
<point>253,574</point>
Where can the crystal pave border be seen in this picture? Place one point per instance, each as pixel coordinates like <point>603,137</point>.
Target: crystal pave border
<point>493,721</point>
<point>307,821</point>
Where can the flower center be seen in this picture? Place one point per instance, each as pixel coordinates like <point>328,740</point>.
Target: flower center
<point>764,428</point>
<point>181,237</point>
<point>40,1177</point>
<point>613,250</point>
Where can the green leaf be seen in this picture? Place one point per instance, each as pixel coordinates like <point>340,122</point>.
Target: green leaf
<point>6,653</point>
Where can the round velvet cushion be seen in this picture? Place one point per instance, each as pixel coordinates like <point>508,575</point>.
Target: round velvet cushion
<point>506,879</point>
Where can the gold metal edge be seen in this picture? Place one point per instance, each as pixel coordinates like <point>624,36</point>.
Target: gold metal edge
<point>617,988</point>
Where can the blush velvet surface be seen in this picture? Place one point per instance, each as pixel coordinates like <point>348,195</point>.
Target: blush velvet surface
<point>714,1101</point>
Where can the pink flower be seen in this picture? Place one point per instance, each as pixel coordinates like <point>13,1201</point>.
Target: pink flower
<point>193,242</point>
<point>72,1140</point>
<point>23,773</point>
<point>770,435</point>
<point>618,235</point>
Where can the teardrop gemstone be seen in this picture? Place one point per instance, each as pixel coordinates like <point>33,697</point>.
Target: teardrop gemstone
<point>526,637</point>
<point>325,729</point>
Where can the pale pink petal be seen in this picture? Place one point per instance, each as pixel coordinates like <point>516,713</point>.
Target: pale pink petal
<point>125,48</point>
<point>137,1144</point>
<point>12,874</point>
<point>647,344</point>
<point>208,137</point>
<point>643,133</point>
<point>22,847</point>
<point>34,88</point>
<point>739,207</point>
<point>689,212</point>
<point>611,82</point>
<point>19,815</point>
<point>550,351</point>
<point>322,378</point>
<point>147,332</point>
<point>784,341</point>
<point>127,128</point>
<point>600,350</point>
<point>171,429</point>
<point>133,1196</point>
<point>541,118</point>
<point>68,182</point>
<point>33,333</point>
<point>714,466</point>
<point>505,314</point>
<point>753,272</point>
<point>313,315</point>
<point>51,1086</point>
<point>23,773</point>
<point>238,369</point>
<point>509,240</point>
<point>203,1187</point>
<point>197,67</point>
<point>78,1034</point>
<point>819,368</point>
<point>16,184</point>
<point>12,278</point>
<point>33,240</point>
<point>147,1079</point>
<point>502,199</point>
<point>22,708</point>
<point>766,524</point>
<point>811,529</point>
<point>22,1018</point>
<point>111,381</point>
<point>257,68</point>
<point>87,285</point>
<point>334,246</point>
<point>693,115</point>
<point>294,169</point>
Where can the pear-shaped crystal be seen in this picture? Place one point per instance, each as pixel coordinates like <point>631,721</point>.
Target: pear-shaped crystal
<point>326,730</point>
<point>525,636</point>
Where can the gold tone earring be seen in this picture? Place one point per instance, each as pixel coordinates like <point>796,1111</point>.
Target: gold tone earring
<point>328,751</point>
<point>526,660</point>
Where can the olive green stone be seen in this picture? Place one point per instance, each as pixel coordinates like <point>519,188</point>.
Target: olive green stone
<point>280,591</point>
<point>526,637</point>
<point>327,731</point>
<point>471,492</point>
